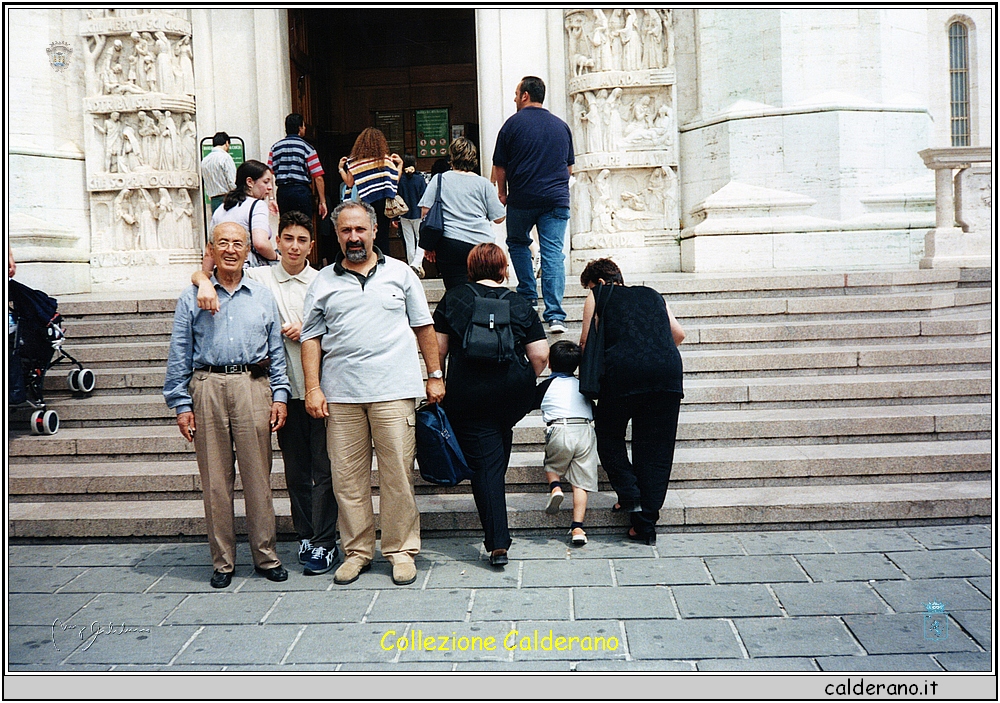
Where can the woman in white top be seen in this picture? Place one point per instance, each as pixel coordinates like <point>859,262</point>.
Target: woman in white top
<point>469,203</point>
<point>247,205</point>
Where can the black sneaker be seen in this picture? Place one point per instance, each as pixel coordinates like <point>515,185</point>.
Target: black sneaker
<point>305,549</point>
<point>320,561</point>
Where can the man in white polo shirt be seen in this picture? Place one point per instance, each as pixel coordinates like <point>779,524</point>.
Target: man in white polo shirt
<point>364,317</point>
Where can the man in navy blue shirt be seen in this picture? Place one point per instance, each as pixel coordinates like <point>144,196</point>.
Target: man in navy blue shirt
<point>532,164</point>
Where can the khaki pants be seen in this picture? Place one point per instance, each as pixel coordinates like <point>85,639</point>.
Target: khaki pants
<point>351,430</point>
<point>235,409</point>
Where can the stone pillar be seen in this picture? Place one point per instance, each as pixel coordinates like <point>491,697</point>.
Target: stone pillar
<point>141,147</point>
<point>964,207</point>
<point>621,92</point>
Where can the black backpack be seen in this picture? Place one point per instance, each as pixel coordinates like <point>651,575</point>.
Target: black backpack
<point>489,336</point>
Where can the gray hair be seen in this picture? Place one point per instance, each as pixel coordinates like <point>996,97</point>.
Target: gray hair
<point>211,234</point>
<point>349,204</point>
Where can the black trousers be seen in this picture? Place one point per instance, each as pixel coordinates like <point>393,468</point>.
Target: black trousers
<point>295,196</point>
<point>308,476</point>
<point>487,446</point>
<point>453,263</point>
<point>654,431</point>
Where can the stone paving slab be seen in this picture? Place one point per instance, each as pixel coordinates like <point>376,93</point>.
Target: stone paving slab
<point>44,608</point>
<point>401,605</point>
<point>798,542</point>
<point>873,540</point>
<point>240,644</point>
<point>466,575</point>
<point>978,624</point>
<point>195,579</point>
<point>681,544</point>
<point>843,598</point>
<point>769,664</point>
<point>911,596</point>
<point>576,572</point>
<point>554,665</point>
<point>538,639</point>
<point>449,638</point>
<point>983,583</point>
<point>158,645</point>
<point>40,554</point>
<point>451,549</point>
<point>28,579</point>
<point>392,666</point>
<point>34,645</point>
<point>965,661</point>
<point>222,608</point>
<point>848,567</point>
<point>524,603</point>
<point>731,601</point>
<point>640,665</point>
<point>109,555</point>
<point>128,608</point>
<point>347,642</point>
<point>682,639</point>
<point>755,569</point>
<point>903,633</point>
<point>666,572</point>
<point>320,607</point>
<point>115,579</point>
<point>796,636</point>
<point>623,603</point>
<point>986,554</point>
<point>941,563</point>
<point>952,536</point>
<point>598,547</point>
<point>879,662</point>
<point>62,667</point>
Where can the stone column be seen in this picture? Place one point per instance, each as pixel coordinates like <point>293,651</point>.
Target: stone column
<point>963,205</point>
<point>621,90</point>
<point>141,146</point>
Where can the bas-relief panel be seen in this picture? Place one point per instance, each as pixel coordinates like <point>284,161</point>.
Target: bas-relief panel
<point>141,137</point>
<point>621,90</point>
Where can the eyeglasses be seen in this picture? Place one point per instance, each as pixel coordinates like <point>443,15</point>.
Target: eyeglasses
<point>235,246</point>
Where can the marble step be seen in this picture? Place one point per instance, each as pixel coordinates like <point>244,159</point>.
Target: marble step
<point>722,466</point>
<point>698,507</point>
<point>739,427</point>
<point>701,392</point>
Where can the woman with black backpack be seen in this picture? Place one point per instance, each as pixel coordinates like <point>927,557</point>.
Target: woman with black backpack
<point>497,348</point>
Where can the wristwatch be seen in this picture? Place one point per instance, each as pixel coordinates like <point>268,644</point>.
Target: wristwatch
<point>436,374</point>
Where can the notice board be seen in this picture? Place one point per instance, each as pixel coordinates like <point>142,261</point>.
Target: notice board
<point>432,132</point>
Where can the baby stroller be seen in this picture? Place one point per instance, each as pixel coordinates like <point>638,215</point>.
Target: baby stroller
<point>35,334</point>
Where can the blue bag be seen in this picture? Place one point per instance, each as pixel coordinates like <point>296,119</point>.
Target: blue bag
<point>439,457</point>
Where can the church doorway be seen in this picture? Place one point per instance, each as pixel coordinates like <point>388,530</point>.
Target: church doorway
<point>411,72</point>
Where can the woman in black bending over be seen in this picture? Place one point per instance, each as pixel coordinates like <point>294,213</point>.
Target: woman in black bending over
<point>642,381</point>
<point>485,399</point>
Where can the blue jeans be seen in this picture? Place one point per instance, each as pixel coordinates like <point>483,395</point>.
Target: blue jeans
<point>551,224</point>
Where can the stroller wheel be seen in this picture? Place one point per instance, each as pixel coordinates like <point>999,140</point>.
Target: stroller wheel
<point>73,380</point>
<point>86,381</point>
<point>44,422</point>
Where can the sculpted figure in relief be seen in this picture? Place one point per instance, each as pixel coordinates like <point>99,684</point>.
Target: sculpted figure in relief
<point>183,212</point>
<point>131,158</point>
<point>616,24</point>
<point>168,142</point>
<point>592,118</point>
<point>184,74</point>
<point>604,205</point>
<point>124,222</point>
<point>112,131</point>
<point>188,146</point>
<point>108,78</point>
<point>582,209</point>
<point>613,120</point>
<point>149,138</point>
<point>139,57</point>
<point>652,49</point>
<point>661,189</point>
<point>164,64</point>
<point>166,221</point>
<point>668,31</point>
<point>146,215</point>
<point>149,62</point>
<point>631,43</point>
<point>601,40</point>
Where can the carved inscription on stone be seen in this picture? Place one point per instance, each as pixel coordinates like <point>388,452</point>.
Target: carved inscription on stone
<point>621,90</point>
<point>141,146</point>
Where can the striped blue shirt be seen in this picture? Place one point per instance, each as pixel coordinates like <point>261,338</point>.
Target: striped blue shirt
<point>293,160</point>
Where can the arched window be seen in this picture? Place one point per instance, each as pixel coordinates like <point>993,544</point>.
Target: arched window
<point>958,55</point>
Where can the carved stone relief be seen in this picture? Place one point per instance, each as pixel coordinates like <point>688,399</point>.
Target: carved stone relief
<point>621,88</point>
<point>141,154</point>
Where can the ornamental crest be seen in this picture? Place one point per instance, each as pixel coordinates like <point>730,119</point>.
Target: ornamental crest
<point>59,54</point>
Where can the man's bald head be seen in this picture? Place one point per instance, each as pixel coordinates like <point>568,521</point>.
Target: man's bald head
<point>230,228</point>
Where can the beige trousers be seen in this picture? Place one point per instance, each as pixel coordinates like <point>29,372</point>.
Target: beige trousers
<point>351,430</point>
<point>235,410</point>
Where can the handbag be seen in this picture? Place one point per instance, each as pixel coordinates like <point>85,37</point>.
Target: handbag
<point>592,360</point>
<point>432,226</point>
<point>254,257</point>
<point>396,207</point>
<point>439,457</point>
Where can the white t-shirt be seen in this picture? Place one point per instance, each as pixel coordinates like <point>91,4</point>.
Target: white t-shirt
<point>241,215</point>
<point>563,400</point>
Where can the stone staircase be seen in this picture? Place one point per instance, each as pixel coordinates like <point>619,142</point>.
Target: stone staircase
<point>811,399</point>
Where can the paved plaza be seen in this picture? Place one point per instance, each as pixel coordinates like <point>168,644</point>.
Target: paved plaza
<point>823,600</point>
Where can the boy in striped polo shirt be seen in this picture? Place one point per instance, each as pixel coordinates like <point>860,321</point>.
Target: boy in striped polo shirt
<point>295,164</point>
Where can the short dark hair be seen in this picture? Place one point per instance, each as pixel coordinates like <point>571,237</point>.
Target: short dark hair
<point>601,269</point>
<point>347,204</point>
<point>293,122</point>
<point>534,87</point>
<point>220,139</point>
<point>564,356</point>
<point>294,218</point>
<point>486,262</point>
<point>409,160</point>
<point>440,166</point>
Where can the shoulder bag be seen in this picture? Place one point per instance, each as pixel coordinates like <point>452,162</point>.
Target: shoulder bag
<point>254,257</point>
<point>439,457</point>
<point>432,226</point>
<point>592,361</point>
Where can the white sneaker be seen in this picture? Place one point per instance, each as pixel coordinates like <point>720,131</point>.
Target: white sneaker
<point>555,500</point>
<point>557,326</point>
<point>419,270</point>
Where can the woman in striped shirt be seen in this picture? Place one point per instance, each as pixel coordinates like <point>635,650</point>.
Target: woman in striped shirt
<point>376,174</point>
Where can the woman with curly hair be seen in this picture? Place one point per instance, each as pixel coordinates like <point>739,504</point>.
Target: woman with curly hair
<point>376,174</point>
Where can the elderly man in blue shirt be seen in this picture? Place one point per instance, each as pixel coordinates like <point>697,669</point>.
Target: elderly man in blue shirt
<point>226,380</point>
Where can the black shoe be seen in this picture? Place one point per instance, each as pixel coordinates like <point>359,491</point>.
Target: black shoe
<point>646,539</point>
<point>499,558</point>
<point>221,580</point>
<point>276,573</point>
